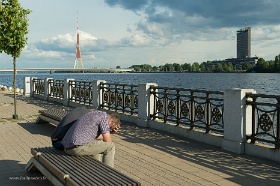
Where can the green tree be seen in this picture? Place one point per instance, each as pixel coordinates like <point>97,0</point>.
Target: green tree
<point>247,66</point>
<point>187,67</point>
<point>195,67</point>
<point>137,69</point>
<point>202,67</point>
<point>210,67</point>
<point>155,68</point>
<point>13,30</point>
<point>277,64</point>
<point>168,67</point>
<point>147,68</point>
<point>177,67</point>
<point>262,66</point>
<point>219,68</point>
<point>118,66</point>
<point>228,67</point>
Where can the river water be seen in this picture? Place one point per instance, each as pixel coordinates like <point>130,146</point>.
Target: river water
<point>263,83</point>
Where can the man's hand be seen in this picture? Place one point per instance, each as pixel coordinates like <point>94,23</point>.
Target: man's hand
<point>115,129</point>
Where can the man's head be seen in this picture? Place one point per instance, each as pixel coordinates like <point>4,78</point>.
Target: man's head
<point>114,120</point>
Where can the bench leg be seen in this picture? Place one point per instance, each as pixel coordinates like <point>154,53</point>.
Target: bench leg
<point>34,164</point>
<point>29,167</point>
<point>40,120</point>
<point>45,119</point>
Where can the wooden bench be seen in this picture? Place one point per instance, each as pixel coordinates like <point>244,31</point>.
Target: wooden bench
<point>53,116</point>
<point>62,169</point>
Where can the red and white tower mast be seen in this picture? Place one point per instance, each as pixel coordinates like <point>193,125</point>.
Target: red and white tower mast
<point>78,50</point>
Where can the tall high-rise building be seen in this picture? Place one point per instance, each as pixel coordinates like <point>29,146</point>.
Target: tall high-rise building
<point>244,43</point>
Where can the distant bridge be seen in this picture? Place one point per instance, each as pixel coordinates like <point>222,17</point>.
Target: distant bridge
<point>57,70</point>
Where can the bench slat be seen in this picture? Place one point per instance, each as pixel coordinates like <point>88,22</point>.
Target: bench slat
<point>82,170</point>
<point>76,174</point>
<point>121,178</point>
<point>56,114</point>
<point>89,165</point>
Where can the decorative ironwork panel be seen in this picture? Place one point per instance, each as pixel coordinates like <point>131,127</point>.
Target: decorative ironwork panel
<point>56,88</point>
<point>266,119</point>
<point>120,97</point>
<point>265,122</point>
<point>216,114</point>
<point>200,112</point>
<point>39,86</point>
<point>81,92</point>
<point>194,108</point>
<point>185,109</point>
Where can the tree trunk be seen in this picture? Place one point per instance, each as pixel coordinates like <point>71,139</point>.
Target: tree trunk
<point>15,116</point>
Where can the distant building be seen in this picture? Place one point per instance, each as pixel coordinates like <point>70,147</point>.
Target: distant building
<point>244,43</point>
<point>243,51</point>
<point>238,62</point>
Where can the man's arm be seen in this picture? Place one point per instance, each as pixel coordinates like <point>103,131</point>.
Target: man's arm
<point>107,137</point>
<point>100,137</point>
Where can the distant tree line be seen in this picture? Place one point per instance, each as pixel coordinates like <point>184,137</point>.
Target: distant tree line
<point>213,66</point>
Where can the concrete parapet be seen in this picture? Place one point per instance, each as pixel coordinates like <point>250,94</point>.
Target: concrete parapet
<point>26,86</point>
<point>145,103</point>
<point>66,92</point>
<point>196,135</point>
<point>47,88</point>
<point>96,93</point>
<point>262,151</point>
<point>236,120</point>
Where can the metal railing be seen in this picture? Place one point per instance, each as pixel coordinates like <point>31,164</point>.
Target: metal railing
<point>80,92</point>
<point>56,88</point>
<point>119,97</point>
<point>39,86</point>
<point>265,119</point>
<point>192,108</point>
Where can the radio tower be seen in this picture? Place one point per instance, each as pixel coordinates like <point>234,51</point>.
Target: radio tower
<point>78,50</point>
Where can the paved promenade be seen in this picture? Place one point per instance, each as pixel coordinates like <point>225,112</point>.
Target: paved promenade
<point>150,156</point>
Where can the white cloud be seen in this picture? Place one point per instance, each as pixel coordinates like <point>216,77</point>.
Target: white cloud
<point>34,53</point>
<point>268,32</point>
<point>65,42</point>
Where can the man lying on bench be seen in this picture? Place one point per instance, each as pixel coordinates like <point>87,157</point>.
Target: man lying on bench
<point>89,134</point>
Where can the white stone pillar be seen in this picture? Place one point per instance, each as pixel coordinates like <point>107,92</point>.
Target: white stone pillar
<point>96,93</point>
<point>237,120</point>
<point>46,88</point>
<point>145,104</point>
<point>26,86</point>
<point>66,92</point>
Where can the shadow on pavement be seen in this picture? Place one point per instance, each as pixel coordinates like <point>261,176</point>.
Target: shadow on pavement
<point>13,173</point>
<point>37,102</point>
<point>45,129</point>
<point>235,165</point>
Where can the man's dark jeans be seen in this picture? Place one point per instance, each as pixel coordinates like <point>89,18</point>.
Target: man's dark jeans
<point>58,145</point>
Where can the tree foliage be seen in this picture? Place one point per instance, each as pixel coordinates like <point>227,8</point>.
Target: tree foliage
<point>214,66</point>
<point>13,27</point>
<point>13,30</point>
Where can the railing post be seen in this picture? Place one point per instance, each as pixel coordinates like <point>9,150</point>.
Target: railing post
<point>97,96</point>
<point>66,93</point>
<point>145,104</point>
<point>46,88</point>
<point>277,145</point>
<point>237,120</point>
<point>26,86</point>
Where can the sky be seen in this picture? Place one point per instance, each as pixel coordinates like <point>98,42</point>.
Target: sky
<point>133,32</point>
